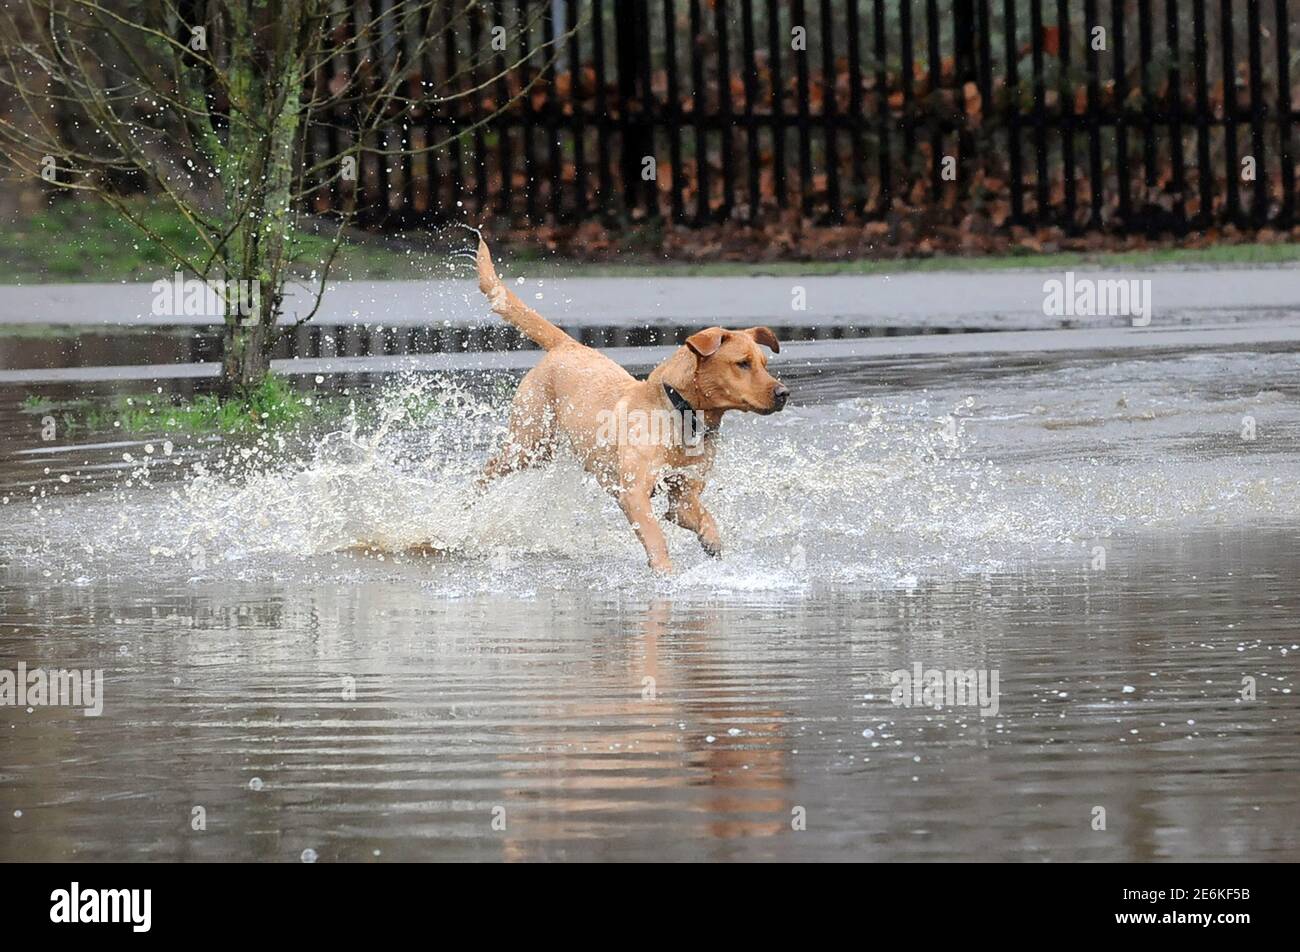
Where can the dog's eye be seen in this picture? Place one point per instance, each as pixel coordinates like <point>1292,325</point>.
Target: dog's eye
<point>743,365</point>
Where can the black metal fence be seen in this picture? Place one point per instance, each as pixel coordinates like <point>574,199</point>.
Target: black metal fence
<point>1135,115</point>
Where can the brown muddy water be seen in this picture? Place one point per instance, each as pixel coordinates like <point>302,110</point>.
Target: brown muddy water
<point>1113,539</point>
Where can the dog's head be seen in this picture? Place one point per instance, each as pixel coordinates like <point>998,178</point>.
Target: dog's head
<point>731,370</point>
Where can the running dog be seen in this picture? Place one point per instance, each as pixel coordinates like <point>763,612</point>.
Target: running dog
<point>633,435</point>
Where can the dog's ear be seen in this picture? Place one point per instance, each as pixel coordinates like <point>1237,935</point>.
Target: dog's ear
<point>764,336</point>
<point>706,342</point>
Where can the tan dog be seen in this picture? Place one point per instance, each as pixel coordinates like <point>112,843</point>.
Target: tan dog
<point>631,434</point>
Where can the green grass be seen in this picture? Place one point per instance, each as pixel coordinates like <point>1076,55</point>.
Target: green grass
<point>75,240</point>
<point>34,404</point>
<point>275,405</point>
<point>65,412</point>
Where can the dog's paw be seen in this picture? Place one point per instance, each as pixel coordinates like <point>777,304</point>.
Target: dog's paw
<point>712,547</point>
<point>662,567</point>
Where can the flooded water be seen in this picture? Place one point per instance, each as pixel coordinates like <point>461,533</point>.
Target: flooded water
<point>26,346</point>
<point>1113,539</point>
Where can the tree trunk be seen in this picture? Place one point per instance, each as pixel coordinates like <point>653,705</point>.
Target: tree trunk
<point>266,82</point>
<point>245,357</point>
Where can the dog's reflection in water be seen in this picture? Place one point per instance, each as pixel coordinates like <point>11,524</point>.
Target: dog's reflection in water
<point>646,751</point>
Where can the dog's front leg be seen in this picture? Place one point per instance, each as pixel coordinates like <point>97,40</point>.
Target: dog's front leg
<point>635,502</point>
<point>685,509</point>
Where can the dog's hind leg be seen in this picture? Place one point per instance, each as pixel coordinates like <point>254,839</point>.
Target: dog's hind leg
<point>686,510</point>
<point>530,440</point>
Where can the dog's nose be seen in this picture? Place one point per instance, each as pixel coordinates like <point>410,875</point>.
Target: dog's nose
<point>779,396</point>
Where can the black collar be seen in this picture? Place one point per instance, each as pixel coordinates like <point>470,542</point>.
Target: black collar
<point>694,426</point>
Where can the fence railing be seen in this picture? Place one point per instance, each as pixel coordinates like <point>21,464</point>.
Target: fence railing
<point>1136,115</point>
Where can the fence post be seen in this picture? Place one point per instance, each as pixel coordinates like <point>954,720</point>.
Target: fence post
<point>964,33</point>
<point>630,20</point>
<point>1284,116</point>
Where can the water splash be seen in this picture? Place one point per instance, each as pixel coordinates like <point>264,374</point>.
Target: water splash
<point>859,492</point>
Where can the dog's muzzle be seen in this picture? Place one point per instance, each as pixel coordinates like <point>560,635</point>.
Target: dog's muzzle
<point>779,396</point>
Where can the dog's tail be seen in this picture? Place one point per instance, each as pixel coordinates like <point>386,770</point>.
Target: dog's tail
<point>506,303</point>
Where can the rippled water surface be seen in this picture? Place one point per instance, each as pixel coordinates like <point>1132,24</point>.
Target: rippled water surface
<point>1115,539</point>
